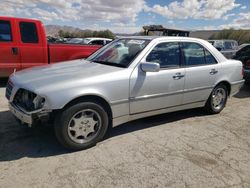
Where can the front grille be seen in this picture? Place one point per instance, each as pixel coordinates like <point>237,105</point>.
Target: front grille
<point>9,88</point>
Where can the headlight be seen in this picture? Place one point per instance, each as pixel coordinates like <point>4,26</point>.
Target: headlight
<point>38,102</point>
<point>28,100</point>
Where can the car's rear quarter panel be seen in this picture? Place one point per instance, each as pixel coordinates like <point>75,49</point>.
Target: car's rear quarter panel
<point>232,72</point>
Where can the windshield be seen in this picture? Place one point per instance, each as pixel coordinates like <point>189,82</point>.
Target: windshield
<point>119,53</point>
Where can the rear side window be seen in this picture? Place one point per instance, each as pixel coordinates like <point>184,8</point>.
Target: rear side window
<point>97,42</point>
<point>28,32</point>
<point>196,55</point>
<point>5,31</point>
<point>209,57</point>
<point>166,54</point>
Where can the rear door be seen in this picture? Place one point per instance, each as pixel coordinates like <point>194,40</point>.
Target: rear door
<point>33,47</point>
<point>9,53</point>
<point>202,71</point>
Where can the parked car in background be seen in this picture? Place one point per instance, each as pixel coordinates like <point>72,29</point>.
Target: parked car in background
<point>51,39</point>
<point>244,56</point>
<point>243,45</point>
<point>227,47</point>
<point>75,41</point>
<point>97,41</point>
<point>23,44</point>
<point>130,78</point>
<point>89,41</point>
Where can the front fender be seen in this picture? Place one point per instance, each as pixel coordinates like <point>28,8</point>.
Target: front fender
<point>60,99</point>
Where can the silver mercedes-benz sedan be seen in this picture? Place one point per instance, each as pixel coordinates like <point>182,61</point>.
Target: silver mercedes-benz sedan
<point>128,79</point>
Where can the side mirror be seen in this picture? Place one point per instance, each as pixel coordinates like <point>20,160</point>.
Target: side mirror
<point>150,67</point>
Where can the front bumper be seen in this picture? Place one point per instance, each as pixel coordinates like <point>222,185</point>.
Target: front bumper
<point>29,118</point>
<point>21,115</point>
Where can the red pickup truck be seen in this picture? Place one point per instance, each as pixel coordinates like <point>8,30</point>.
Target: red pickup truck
<point>23,44</point>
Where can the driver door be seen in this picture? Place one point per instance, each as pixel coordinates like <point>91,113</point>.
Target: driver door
<point>9,51</point>
<point>151,91</point>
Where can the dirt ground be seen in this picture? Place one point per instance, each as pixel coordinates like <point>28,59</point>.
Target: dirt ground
<point>181,149</point>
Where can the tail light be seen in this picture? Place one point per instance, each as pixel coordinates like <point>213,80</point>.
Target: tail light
<point>242,72</point>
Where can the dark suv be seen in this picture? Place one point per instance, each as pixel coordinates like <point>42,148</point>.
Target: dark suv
<point>244,56</point>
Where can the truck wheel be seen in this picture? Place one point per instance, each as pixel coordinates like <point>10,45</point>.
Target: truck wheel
<point>81,126</point>
<point>217,100</point>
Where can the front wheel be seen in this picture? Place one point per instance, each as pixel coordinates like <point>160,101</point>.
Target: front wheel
<point>217,100</point>
<point>81,126</point>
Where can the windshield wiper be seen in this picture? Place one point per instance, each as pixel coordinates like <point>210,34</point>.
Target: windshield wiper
<point>110,63</point>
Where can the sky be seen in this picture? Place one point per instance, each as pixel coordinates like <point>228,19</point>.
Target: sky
<point>128,16</point>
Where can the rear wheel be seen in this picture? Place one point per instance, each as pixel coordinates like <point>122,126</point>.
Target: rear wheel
<point>81,126</point>
<point>217,100</point>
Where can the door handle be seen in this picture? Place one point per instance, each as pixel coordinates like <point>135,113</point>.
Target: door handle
<point>213,71</point>
<point>14,50</point>
<point>178,76</point>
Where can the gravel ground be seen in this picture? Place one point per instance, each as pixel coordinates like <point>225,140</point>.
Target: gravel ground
<point>182,149</point>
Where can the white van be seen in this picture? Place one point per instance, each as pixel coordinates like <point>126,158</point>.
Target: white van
<point>227,47</point>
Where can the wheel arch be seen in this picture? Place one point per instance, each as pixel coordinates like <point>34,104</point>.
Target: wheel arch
<point>92,98</point>
<point>227,84</point>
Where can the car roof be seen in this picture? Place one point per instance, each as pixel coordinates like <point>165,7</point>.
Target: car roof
<point>245,44</point>
<point>19,18</point>
<point>95,38</point>
<point>160,38</point>
<point>77,38</point>
<point>224,40</point>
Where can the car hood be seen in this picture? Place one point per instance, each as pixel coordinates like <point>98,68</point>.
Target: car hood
<point>60,73</point>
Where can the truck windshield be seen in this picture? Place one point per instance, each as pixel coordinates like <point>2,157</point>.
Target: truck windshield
<point>119,53</point>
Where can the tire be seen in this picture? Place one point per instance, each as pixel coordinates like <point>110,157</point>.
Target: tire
<point>216,105</point>
<point>81,125</point>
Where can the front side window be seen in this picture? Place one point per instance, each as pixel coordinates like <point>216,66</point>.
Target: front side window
<point>195,55</point>
<point>166,54</point>
<point>28,32</point>
<point>119,53</point>
<point>5,31</point>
